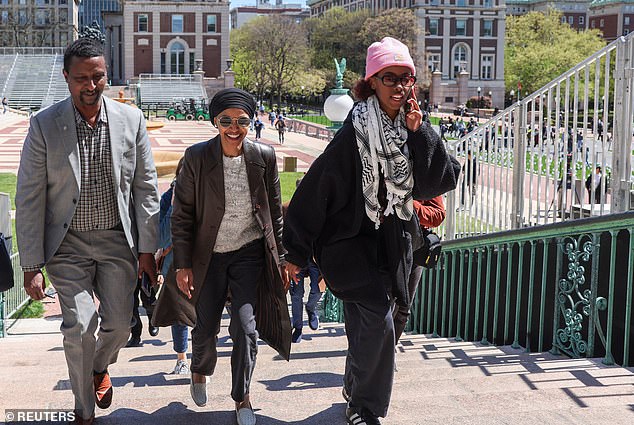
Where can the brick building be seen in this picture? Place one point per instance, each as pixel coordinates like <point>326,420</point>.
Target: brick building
<point>170,37</point>
<point>462,44</point>
<point>242,14</point>
<point>612,17</point>
<point>38,23</point>
<point>574,12</point>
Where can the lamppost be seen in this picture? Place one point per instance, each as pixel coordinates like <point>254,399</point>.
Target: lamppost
<point>339,103</point>
<point>512,94</point>
<point>301,97</point>
<point>479,100</point>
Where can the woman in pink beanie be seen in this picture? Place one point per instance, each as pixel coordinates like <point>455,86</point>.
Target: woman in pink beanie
<point>353,214</point>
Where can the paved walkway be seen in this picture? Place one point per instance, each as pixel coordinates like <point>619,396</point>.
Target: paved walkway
<point>175,136</point>
<point>439,381</point>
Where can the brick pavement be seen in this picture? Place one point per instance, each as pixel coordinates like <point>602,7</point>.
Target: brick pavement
<point>175,136</point>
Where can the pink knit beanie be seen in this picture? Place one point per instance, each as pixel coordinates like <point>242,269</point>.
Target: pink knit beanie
<point>385,53</point>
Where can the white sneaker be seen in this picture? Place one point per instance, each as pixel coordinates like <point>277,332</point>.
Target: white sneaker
<point>181,368</point>
<point>198,391</point>
<point>245,416</point>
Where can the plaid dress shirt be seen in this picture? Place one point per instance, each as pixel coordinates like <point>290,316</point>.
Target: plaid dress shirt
<point>97,208</point>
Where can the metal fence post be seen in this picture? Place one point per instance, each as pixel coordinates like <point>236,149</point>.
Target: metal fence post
<point>519,165</point>
<point>450,224</point>
<point>5,228</point>
<point>622,131</point>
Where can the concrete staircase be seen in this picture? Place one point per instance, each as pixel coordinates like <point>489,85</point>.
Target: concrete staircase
<point>439,381</point>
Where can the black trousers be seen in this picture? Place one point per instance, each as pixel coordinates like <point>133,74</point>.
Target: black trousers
<point>402,313</point>
<point>239,273</point>
<point>369,370</point>
<point>148,305</point>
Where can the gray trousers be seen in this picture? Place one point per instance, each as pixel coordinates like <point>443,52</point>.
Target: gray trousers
<point>369,372</point>
<point>237,272</point>
<point>87,264</point>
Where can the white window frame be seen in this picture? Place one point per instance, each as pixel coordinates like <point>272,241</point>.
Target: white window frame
<point>433,61</point>
<point>459,63</point>
<point>147,22</point>
<point>487,62</point>
<point>437,21</point>
<point>484,28</point>
<point>215,23</point>
<point>175,22</point>
<point>464,21</point>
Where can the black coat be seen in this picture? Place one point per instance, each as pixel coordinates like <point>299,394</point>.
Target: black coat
<point>326,217</point>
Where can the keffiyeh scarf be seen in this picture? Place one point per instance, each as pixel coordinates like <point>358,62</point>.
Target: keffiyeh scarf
<point>380,140</point>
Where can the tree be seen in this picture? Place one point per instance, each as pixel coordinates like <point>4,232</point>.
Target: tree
<point>396,23</point>
<point>539,47</point>
<point>402,25</point>
<point>282,51</point>
<point>20,26</point>
<point>334,34</point>
<point>247,65</point>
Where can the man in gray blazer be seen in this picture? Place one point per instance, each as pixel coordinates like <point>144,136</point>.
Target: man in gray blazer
<point>87,209</point>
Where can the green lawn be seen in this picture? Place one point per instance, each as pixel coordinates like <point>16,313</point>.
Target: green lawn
<point>288,184</point>
<point>316,119</point>
<point>7,185</point>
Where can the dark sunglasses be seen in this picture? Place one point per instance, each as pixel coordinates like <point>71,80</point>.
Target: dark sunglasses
<point>225,121</point>
<point>390,80</point>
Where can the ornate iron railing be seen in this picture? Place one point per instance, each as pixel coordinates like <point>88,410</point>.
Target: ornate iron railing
<point>565,287</point>
<point>529,163</point>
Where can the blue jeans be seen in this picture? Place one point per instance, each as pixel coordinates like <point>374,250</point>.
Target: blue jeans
<point>297,294</point>
<point>179,336</point>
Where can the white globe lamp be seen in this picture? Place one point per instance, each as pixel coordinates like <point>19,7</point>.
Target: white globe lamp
<point>337,106</point>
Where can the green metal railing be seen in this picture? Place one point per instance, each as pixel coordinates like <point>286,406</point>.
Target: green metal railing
<point>13,299</point>
<point>565,287</point>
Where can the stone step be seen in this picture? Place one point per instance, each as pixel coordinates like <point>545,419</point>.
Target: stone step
<point>439,381</point>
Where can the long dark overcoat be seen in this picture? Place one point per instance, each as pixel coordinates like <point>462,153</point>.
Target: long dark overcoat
<point>199,199</point>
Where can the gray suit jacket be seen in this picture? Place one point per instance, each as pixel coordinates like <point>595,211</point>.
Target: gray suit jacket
<point>49,180</point>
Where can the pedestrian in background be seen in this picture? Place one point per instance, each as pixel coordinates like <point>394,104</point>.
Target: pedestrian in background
<point>280,125</point>
<point>259,125</point>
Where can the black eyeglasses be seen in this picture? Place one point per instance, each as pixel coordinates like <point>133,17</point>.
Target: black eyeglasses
<point>390,80</point>
<point>226,121</point>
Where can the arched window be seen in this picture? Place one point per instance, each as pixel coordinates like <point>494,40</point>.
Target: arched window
<point>177,58</point>
<point>460,59</point>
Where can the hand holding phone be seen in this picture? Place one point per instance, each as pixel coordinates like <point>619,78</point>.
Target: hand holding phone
<point>413,114</point>
<point>407,107</point>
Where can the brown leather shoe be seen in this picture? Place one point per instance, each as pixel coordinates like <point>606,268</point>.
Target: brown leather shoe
<point>103,390</point>
<point>81,421</point>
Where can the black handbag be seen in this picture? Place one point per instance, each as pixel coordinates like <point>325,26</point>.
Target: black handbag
<point>6,269</point>
<point>427,255</point>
